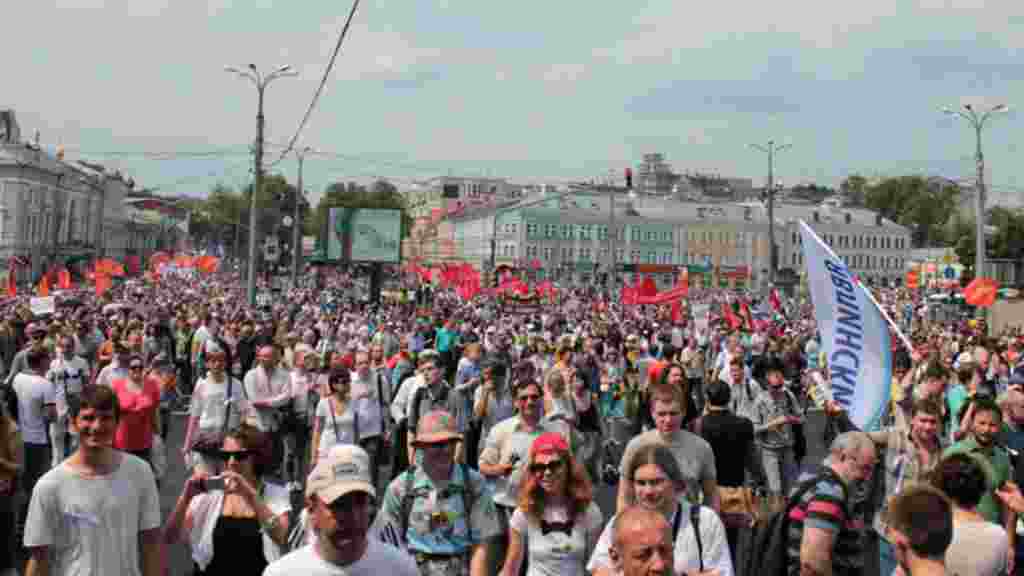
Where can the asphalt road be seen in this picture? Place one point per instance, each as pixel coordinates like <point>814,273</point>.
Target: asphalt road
<point>180,562</point>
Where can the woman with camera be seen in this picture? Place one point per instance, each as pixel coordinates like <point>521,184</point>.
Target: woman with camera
<point>225,517</point>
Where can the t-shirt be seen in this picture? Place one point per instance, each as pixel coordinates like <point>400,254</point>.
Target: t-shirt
<point>998,469</point>
<point>68,377</point>
<point>138,410</point>
<point>34,392</point>
<point>379,559</point>
<point>337,430</point>
<point>730,437</point>
<point>825,507</point>
<point>978,548</point>
<point>558,553</point>
<point>693,453</point>
<point>210,405</point>
<point>91,525</point>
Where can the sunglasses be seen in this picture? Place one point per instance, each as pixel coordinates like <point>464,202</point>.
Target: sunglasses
<point>239,455</point>
<point>539,469</point>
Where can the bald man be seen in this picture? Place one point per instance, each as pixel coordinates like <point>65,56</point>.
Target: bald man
<point>642,543</point>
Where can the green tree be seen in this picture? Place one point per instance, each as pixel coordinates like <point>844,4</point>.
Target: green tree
<point>854,190</point>
<point>922,204</point>
<point>381,194</point>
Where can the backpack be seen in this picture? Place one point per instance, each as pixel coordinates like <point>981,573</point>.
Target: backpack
<point>468,498</point>
<point>768,551</point>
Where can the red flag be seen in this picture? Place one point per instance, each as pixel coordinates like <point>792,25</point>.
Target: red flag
<point>745,314</point>
<point>773,299</point>
<point>730,317</point>
<point>103,283</point>
<point>12,283</point>
<point>677,311</point>
<point>43,290</point>
<point>981,292</point>
<point>64,279</point>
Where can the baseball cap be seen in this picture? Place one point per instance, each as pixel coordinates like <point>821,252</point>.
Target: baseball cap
<point>436,427</point>
<point>549,443</point>
<point>345,469</point>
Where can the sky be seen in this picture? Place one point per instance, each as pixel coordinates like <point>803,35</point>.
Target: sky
<point>537,92</point>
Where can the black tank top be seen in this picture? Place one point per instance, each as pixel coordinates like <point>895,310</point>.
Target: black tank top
<point>234,541</point>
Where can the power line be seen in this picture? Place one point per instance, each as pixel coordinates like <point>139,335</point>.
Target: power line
<point>323,82</point>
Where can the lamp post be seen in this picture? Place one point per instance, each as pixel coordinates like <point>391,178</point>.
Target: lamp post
<point>260,80</point>
<point>771,149</point>
<point>977,120</point>
<point>297,254</point>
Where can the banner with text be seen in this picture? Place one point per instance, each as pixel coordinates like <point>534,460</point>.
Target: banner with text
<point>854,335</point>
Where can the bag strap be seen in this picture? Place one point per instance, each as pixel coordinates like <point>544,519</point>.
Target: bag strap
<point>410,475</point>
<point>695,522</point>
<point>334,419</point>
<point>227,407</point>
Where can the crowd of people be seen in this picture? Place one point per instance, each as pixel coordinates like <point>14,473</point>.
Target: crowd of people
<point>425,434</point>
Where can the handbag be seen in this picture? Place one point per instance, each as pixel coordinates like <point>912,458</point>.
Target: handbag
<point>738,506</point>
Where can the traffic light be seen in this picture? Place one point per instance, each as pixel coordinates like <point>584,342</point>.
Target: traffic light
<point>629,178</point>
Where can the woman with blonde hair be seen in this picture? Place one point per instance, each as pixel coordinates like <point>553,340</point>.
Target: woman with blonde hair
<point>556,523</point>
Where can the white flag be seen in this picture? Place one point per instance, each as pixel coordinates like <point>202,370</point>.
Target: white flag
<point>854,335</point>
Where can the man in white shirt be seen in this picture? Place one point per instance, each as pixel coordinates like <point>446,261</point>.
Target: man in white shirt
<point>98,512</point>
<point>36,409</point>
<point>372,388</point>
<point>67,375</point>
<point>269,389</point>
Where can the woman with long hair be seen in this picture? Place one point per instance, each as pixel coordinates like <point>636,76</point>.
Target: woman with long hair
<point>226,519</point>
<point>658,485</point>
<point>556,523</point>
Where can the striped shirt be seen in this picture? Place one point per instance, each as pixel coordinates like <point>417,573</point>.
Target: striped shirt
<point>825,507</point>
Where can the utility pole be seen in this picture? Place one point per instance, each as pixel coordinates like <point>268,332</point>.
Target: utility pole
<point>771,149</point>
<point>977,120</point>
<point>260,81</point>
<point>296,221</point>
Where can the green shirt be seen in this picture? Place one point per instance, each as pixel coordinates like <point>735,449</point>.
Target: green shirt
<point>998,470</point>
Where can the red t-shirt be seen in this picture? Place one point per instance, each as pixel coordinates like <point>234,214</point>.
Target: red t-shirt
<point>138,410</point>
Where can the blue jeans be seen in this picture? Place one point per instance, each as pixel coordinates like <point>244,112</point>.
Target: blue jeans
<point>886,557</point>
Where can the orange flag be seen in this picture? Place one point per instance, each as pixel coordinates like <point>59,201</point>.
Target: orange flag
<point>43,289</point>
<point>12,284</point>
<point>103,283</point>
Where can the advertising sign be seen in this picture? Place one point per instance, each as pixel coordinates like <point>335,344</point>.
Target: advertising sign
<point>364,235</point>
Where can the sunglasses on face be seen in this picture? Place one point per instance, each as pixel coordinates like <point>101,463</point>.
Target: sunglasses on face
<point>238,455</point>
<point>539,468</point>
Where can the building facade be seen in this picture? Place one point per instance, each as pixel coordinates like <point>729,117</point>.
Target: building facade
<point>53,211</point>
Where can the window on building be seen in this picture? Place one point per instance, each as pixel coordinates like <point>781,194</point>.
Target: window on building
<point>651,236</point>
<point>668,236</point>
<point>635,234</point>
<point>566,231</point>
<point>565,254</point>
<point>634,256</point>
<point>547,252</point>
<point>618,254</point>
<point>666,258</point>
<point>531,229</point>
<point>602,233</point>
<point>604,254</point>
<point>571,254</point>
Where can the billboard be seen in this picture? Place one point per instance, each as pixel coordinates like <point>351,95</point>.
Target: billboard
<point>364,235</point>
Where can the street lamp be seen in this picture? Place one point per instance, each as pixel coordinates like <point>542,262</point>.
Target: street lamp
<point>771,149</point>
<point>260,81</point>
<point>977,120</point>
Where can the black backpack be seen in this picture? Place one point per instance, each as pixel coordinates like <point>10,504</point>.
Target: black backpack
<point>767,554</point>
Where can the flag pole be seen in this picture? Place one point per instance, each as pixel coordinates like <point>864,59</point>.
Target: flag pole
<point>905,341</point>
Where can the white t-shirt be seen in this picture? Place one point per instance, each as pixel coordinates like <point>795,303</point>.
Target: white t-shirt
<point>34,392</point>
<point>209,404</point>
<point>714,545</point>
<point>557,553</point>
<point>67,377</point>
<point>977,548</point>
<point>331,436</point>
<point>379,559</point>
<point>371,422</point>
<point>91,525</point>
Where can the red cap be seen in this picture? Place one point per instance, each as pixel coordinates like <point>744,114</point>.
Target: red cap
<point>549,443</point>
